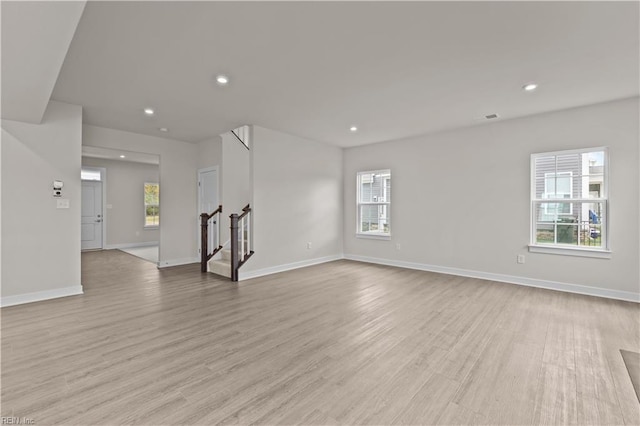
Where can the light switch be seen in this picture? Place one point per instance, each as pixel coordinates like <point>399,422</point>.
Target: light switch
<point>62,203</point>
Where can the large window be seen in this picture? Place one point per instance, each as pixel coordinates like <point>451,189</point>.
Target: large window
<point>374,203</point>
<point>569,200</point>
<point>151,205</point>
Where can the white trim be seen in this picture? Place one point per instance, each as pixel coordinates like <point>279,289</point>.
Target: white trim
<point>178,262</point>
<point>569,151</point>
<point>131,245</point>
<point>571,251</point>
<point>103,179</point>
<point>242,275</point>
<point>38,296</point>
<point>529,282</point>
<point>374,236</point>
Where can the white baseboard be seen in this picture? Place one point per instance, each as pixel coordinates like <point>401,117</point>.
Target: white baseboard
<point>529,282</point>
<point>130,245</point>
<point>38,296</point>
<point>242,275</point>
<point>178,262</point>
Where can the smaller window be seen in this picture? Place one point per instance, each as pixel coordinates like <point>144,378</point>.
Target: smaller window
<point>374,204</point>
<point>151,205</point>
<point>90,174</point>
<point>569,202</point>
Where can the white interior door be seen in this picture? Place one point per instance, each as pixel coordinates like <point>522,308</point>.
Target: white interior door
<point>91,215</point>
<point>208,198</point>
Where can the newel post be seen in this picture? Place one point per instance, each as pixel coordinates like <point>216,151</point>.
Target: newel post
<point>204,237</point>
<point>234,247</point>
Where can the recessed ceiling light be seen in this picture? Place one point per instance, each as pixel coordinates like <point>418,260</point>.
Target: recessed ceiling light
<point>530,87</point>
<point>122,156</point>
<point>149,111</point>
<point>353,129</point>
<point>222,79</point>
<point>163,129</point>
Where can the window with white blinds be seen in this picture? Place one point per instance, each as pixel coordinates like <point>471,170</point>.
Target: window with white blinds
<point>569,204</point>
<point>374,203</point>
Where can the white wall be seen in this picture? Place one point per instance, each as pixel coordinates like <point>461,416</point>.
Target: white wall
<point>461,198</point>
<point>33,229</point>
<point>297,198</point>
<point>210,152</point>
<point>235,182</point>
<point>125,194</point>
<point>178,187</point>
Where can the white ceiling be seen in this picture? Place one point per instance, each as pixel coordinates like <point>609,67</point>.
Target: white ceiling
<point>315,68</point>
<point>35,40</point>
<point>115,154</point>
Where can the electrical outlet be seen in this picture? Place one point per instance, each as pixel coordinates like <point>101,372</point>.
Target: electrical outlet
<point>520,258</point>
<point>309,246</point>
<point>398,246</point>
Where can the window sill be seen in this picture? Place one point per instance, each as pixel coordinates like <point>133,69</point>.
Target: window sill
<point>151,228</point>
<point>374,236</point>
<point>571,251</point>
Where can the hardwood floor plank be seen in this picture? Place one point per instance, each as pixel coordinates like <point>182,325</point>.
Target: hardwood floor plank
<point>338,343</point>
<point>556,396</point>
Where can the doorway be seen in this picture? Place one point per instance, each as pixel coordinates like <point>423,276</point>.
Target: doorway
<point>208,199</point>
<point>92,216</point>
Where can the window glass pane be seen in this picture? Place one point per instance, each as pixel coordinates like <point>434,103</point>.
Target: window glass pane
<point>595,160</point>
<point>544,165</point>
<point>575,223</point>
<point>551,212</point>
<point>88,174</point>
<point>374,218</point>
<point>592,186</point>
<point>369,218</point>
<point>152,216</point>
<point>545,233</point>
<point>365,180</point>
<point>151,193</point>
<point>558,185</point>
<point>152,204</point>
<point>569,163</point>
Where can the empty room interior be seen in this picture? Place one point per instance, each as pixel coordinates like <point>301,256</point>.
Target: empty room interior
<point>318,213</point>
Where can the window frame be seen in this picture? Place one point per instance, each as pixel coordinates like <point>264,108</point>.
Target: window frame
<point>604,250</point>
<point>145,205</point>
<point>387,204</point>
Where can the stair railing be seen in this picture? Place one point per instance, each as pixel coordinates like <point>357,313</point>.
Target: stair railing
<point>241,244</point>
<point>209,236</point>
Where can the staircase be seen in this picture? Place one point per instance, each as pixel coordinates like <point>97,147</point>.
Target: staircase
<point>221,266</point>
<point>230,259</point>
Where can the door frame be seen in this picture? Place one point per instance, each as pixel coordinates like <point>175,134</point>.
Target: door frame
<point>103,180</point>
<point>199,171</point>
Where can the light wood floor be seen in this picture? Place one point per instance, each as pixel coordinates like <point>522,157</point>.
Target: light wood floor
<point>343,342</point>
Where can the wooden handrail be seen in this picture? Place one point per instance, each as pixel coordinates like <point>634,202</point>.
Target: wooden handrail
<point>246,210</point>
<point>240,140</point>
<point>204,238</point>
<point>238,260</point>
<point>210,215</point>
